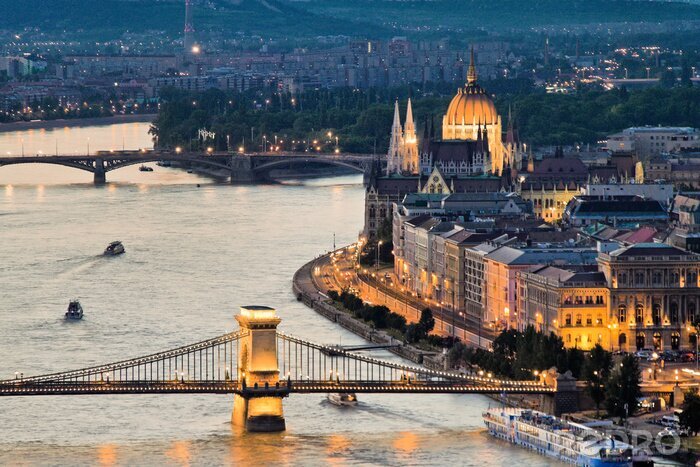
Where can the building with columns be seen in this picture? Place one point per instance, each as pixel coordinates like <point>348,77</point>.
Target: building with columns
<point>640,296</point>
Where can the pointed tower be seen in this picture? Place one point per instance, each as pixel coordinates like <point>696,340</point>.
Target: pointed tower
<point>409,154</point>
<point>471,73</point>
<point>395,144</point>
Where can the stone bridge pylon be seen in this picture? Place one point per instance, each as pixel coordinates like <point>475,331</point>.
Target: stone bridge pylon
<point>258,367</point>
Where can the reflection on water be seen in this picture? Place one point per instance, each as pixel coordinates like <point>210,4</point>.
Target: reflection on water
<point>76,140</point>
<point>107,455</point>
<point>180,453</point>
<point>193,255</point>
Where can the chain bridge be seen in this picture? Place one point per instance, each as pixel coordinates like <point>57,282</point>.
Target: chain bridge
<point>242,168</point>
<point>260,366</point>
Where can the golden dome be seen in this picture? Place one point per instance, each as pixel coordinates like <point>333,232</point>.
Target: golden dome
<point>470,106</point>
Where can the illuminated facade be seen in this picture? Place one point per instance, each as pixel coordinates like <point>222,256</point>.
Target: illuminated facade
<point>654,293</point>
<point>641,296</point>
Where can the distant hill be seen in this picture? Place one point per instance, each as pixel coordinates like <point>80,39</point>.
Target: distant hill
<point>105,18</point>
<point>288,18</point>
<point>500,15</point>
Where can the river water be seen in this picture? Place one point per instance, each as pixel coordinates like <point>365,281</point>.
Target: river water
<point>194,255</point>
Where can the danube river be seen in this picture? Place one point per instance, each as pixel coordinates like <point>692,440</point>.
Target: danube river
<point>194,255</point>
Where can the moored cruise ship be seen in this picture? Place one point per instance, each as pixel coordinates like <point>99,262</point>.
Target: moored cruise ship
<point>550,436</point>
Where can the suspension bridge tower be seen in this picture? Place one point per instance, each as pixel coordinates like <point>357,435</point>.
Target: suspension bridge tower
<point>258,406</point>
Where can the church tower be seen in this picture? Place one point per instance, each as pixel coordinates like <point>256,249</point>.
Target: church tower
<point>395,144</point>
<point>409,154</point>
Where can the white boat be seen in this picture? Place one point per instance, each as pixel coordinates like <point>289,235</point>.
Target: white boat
<point>343,399</point>
<point>75,310</point>
<point>114,249</point>
<point>550,436</point>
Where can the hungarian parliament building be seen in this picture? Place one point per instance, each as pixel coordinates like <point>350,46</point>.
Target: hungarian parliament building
<point>472,154</point>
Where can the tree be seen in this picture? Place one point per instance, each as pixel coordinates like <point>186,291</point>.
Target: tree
<point>668,78</point>
<point>426,321</point>
<point>596,371</point>
<point>690,417</point>
<point>623,391</point>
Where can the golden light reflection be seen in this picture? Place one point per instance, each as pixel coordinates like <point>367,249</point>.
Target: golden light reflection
<point>107,454</point>
<point>9,190</point>
<point>40,192</point>
<point>406,443</point>
<point>337,445</point>
<point>180,452</point>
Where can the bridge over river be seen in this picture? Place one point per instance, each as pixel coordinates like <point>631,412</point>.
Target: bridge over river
<point>242,168</point>
<point>260,366</point>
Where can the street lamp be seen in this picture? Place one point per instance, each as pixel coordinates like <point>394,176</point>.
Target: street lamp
<point>379,245</point>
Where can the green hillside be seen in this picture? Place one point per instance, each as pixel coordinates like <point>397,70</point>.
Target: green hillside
<point>307,19</point>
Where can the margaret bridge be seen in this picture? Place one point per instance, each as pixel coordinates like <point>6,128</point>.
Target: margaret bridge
<point>242,168</point>
<point>260,366</point>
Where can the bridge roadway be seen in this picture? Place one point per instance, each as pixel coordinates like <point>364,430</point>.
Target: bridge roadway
<point>284,388</point>
<point>242,168</point>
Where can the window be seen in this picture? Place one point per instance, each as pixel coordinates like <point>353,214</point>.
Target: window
<point>639,278</point>
<point>589,300</point>
<point>656,314</point>
<point>641,340</point>
<point>599,320</point>
<point>578,319</point>
<point>599,300</point>
<point>691,279</point>
<point>589,320</point>
<point>568,319</point>
<point>675,341</point>
<point>656,278</point>
<point>622,339</point>
<point>623,278</point>
<point>675,279</point>
<point>639,313</point>
<point>674,313</point>
<point>657,341</point>
<point>622,313</point>
<point>691,312</point>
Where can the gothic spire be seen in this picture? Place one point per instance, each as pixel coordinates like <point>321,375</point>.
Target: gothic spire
<point>397,117</point>
<point>409,126</point>
<point>471,74</point>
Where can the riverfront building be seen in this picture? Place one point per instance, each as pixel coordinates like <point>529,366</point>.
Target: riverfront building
<point>471,155</point>
<point>639,296</point>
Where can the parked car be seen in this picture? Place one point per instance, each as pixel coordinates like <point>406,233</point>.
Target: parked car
<point>687,357</point>
<point>643,354</point>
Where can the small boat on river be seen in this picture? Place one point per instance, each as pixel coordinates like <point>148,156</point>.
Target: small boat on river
<point>75,310</point>
<point>343,399</point>
<point>114,249</point>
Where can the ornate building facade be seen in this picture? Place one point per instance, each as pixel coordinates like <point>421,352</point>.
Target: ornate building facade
<point>641,296</point>
<point>471,155</point>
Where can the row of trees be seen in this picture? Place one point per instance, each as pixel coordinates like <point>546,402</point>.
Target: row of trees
<point>523,355</point>
<point>361,119</point>
<point>383,318</point>
<point>520,355</point>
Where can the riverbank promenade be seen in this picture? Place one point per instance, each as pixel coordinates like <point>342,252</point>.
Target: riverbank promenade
<point>338,270</point>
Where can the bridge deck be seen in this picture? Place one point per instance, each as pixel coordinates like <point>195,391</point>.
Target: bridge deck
<point>234,387</point>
